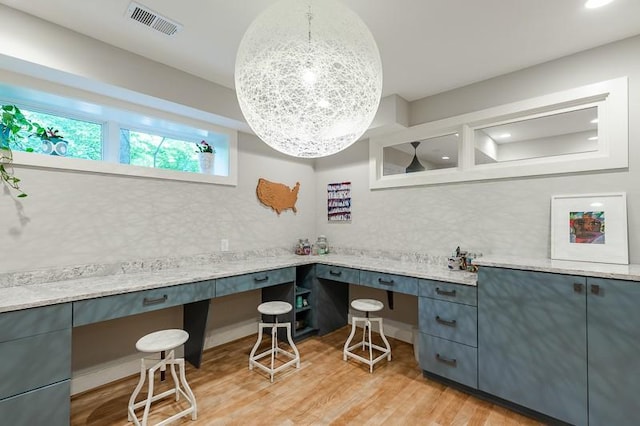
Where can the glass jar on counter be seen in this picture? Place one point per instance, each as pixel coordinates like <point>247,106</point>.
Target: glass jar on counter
<point>322,245</point>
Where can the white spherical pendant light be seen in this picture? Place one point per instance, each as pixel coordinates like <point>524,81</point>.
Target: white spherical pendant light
<point>308,77</point>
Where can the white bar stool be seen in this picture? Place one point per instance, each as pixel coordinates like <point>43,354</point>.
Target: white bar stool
<point>366,306</point>
<point>274,308</point>
<point>162,341</point>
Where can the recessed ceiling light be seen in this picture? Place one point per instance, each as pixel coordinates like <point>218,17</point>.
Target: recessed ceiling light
<point>446,158</point>
<point>593,138</point>
<point>504,135</point>
<point>594,4</point>
<point>594,121</point>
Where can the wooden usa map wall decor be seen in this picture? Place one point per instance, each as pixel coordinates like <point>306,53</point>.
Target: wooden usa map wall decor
<point>278,196</point>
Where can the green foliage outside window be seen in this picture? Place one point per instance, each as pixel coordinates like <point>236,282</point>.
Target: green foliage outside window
<point>144,149</point>
<point>84,138</point>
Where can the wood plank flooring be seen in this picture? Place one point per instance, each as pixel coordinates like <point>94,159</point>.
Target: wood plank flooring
<point>325,391</point>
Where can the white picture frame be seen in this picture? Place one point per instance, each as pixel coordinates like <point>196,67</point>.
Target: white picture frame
<point>590,228</point>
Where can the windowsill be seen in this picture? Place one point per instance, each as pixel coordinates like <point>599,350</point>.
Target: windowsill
<point>102,167</point>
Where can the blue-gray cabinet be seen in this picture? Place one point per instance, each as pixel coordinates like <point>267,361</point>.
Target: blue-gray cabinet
<point>35,366</point>
<point>390,282</point>
<point>253,281</point>
<point>613,317</point>
<point>121,305</point>
<point>448,323</point>
<point>532,341</point>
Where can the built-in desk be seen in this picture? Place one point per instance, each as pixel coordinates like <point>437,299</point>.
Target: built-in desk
<point>36,320</point>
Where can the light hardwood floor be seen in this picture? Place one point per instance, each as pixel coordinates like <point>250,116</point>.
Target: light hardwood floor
<point>325,391</point>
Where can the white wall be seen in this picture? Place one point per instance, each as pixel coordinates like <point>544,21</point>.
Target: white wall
<point>502,216</point>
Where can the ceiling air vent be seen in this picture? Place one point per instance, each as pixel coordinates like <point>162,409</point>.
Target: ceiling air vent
<point>151,19</point>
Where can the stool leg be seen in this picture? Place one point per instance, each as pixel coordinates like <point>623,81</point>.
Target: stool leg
<point>147,406</point>
<point>143,372</point>
<point>255,347</point>
<point>293,345</point>
<point>185,385</point>
<point>346,344</point>
<point>384,339</point>
<point>368,327</point>
<point>171,361</point>
<point>274,347</point>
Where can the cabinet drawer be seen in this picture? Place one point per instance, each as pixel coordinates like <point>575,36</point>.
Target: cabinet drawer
<point>397,283</point>
<point>29,322</point>
<point>49,406</point>
<point>240,283</point>
<point>454,361</point>
<point>338,273</point>
<point>447,320</point>
<point>122,305</point>
<point>35,361</point>
<point>451,292</point>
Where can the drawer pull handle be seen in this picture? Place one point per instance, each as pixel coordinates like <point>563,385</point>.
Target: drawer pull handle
<point>261,280</point>
<point>335,273</point>
<point>577,287</point>
<point>385,282</point>
<point>149,302</point>
<point>451,293</point>
<point>451,323</point>
<point>595,289</point>
<point>449,361</point>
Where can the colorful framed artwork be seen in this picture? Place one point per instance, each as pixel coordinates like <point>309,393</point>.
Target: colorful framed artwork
<point>590,228</point>
<point>339,202</point>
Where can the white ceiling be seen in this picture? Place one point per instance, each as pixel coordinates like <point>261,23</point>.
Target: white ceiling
<point>427,46</point>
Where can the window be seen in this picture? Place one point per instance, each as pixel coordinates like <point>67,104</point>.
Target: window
<point>137,141</point>
<point>84,138</point>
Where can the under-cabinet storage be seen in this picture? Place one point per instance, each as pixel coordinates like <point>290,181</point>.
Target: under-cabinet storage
<point>532,341</point>
<point>121,305</point>
<point>448,322</point>
<point>391,282</point>
<point>613,318</point>
<point>256,280</point>
<point>452,360</point>
<point>36,366</point>
<point>451,321</point>
<point>338,273</point>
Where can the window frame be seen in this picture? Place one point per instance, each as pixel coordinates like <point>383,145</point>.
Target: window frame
<point>110,133</point>
<point>610,97</point>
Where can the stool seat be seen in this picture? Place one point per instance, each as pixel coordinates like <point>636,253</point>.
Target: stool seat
<point>274,308</point>
<point>165,342</point>
<point>162,340</point>
<point>366,306</point>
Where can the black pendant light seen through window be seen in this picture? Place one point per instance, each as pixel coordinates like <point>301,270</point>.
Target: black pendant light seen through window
<point>415,165</point>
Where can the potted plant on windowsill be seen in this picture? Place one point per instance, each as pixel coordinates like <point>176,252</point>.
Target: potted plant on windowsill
<point>53,142</point>
<point>206,157</point>
<point>13,126</point>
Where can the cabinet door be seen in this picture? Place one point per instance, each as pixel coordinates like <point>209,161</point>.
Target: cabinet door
<point>614,351</point>
<point>532,341</point>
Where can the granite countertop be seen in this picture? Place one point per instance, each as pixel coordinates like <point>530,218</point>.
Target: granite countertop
<point>66,290</point>
<point>588,269</point>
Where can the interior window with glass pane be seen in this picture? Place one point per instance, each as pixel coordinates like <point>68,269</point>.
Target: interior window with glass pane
<point>64,137</point>
<point>158,151</point>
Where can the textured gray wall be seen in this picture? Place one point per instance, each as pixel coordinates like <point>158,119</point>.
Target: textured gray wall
<point>503,216</point>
